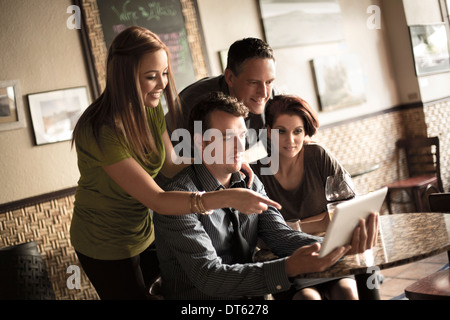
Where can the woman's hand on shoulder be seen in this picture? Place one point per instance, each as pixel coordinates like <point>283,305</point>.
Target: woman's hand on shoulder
<point>249,202</point>
<point>248,172</point>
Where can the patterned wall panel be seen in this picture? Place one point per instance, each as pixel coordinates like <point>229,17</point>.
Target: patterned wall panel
<point>48,224</point>
<point>372,140</point>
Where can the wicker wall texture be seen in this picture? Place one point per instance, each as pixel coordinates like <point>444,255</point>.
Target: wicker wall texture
<point>369,140</point>
<point>372,140</point>
<point>48,224</point>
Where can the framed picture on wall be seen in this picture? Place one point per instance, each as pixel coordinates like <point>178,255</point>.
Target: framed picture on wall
<point>223,57</point>
<point>289,23</point>
<point>339,81</point>
<point>11,107</point>
<point>54,114</point>
<point>430,48</point>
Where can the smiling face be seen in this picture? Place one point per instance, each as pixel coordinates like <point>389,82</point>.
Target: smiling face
<point>253,85</point>
<point>153,76</point>
<point>291,134</point>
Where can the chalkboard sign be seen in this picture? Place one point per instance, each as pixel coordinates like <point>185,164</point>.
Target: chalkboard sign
<point>163,17</point>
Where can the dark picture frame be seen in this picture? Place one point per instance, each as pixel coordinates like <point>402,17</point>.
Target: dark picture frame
<point>93,38</point>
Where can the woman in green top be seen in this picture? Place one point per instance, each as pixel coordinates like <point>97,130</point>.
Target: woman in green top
<point>122,142</point>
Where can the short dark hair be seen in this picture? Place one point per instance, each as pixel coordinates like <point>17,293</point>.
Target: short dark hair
<point>212,102</point>
<point>245,49</point>
<point>286,104</point>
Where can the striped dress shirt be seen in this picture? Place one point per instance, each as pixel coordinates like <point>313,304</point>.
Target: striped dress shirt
<point>194,250</point>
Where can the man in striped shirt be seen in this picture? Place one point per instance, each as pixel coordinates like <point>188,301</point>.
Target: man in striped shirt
<point>195,251</point>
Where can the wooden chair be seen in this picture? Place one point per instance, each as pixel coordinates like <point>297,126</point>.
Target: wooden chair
<point>434,287</point>
<point>437,285</point>
<point>23,275</point>
<point>423,164</point>
<point>439,202</point>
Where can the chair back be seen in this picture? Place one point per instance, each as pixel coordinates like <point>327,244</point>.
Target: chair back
<point>422,156</point>
<point>23,275</point>
<point>439,202</point>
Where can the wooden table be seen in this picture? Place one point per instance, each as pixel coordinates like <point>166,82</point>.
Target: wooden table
<point>403,238</point>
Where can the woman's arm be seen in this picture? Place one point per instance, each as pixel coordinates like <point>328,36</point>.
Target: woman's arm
<point>134,180</point>
<point>316,225</point>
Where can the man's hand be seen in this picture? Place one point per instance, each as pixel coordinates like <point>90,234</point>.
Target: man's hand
<point>365,234</point>
<point>306,259</point>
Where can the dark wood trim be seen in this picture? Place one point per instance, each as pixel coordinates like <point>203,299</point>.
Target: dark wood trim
<point>84,37</point>
<point>19,204</point>
<point>402,107</point>
<point>202,34</point>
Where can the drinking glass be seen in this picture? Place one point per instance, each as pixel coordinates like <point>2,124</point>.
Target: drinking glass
<point>338,188</point>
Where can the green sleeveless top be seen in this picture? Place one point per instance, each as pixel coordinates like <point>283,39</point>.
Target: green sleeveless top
<point>107,223</point>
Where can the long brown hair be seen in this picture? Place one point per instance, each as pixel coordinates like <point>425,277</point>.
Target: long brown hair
<point>120,106</point>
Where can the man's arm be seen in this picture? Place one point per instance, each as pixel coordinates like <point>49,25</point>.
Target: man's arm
<point>279,237</point>
<point>274,231</point>
<point>184,239</point>
<point>305,258</point>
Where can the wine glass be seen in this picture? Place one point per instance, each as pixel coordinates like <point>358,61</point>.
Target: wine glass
<point>338,188</point>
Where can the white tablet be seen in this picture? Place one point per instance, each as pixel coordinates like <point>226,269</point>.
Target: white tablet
<point>346,217</point>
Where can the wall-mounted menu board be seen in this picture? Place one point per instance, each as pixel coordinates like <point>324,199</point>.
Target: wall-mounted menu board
<point>175,21</point>
<point>163,17</point>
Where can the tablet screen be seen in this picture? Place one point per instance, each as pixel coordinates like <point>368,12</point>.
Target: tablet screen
<point>346,218</point>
